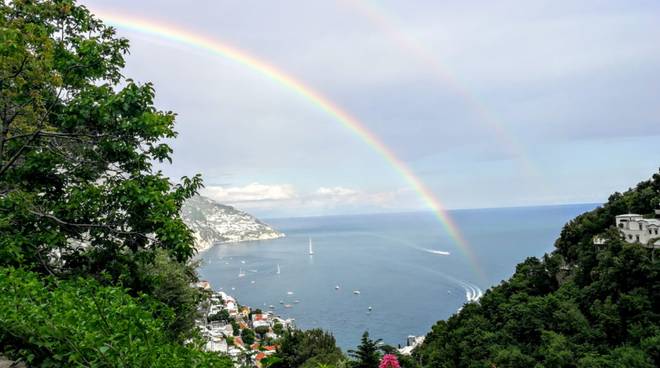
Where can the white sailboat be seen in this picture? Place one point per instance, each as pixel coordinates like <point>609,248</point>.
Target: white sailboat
<point>311,251</point>
<point>278,268</point>
<point>241,273</point>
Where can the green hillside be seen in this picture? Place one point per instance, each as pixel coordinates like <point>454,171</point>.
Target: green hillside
<point>583,305</point>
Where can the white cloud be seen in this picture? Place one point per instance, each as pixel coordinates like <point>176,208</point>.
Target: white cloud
<point>268,200</point>
<point>335,192</point>
<point>253,192</point>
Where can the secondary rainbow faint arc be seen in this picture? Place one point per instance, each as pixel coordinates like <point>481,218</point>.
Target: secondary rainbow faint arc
<point>176,34</point>
<point>377,15</point>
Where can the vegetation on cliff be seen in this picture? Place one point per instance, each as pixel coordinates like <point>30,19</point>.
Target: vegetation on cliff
<point>583,305</point>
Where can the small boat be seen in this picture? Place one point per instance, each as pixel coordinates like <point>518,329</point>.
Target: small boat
<point>288,305</point>
<point>370,308</point>
<point>311,251</point>
<point>252,282</point>
<point>271,306</point>
<point>243,262</point>
<point>296,301</point>
<point>241,273</point>
<point>281,301</point>
<point>289,293</point>
<point>233,288</point>
<point>356,292</point>
<point>337,287</point>
<point>278,269</point>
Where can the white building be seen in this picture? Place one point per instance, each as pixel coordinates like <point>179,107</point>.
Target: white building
<point>411,343</point>
<point>637,229</point>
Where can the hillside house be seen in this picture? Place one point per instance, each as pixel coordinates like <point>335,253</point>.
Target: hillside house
<point>637,229</point>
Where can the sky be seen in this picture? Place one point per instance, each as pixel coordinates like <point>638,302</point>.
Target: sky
<point>488,104</point>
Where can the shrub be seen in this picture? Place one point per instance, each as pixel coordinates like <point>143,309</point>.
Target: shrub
<point>63,323</point>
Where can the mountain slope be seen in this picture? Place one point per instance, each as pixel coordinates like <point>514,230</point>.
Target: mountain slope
<point>583,305</point>
<point>217,223</point>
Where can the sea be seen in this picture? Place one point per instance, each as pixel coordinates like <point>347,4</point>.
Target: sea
<point>393,275</point>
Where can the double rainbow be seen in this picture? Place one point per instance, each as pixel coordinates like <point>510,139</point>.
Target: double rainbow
<point>179,35</point>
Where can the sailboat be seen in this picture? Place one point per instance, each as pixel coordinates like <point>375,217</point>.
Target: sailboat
<point>278,268</point>
<point>241,273</point>
<point>311,251</point>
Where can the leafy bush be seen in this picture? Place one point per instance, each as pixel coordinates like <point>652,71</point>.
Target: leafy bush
<point>65,323</point>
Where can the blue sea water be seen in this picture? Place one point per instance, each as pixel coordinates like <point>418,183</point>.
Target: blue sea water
<point>396,261</point>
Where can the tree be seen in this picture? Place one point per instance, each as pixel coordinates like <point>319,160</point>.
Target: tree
<point>278,329</point>
<point>247,336</point>
<point>223,315</point>
<point>261,331</point>
<point>307,348</point>
<point>80,195</point>
<point>367,354</point>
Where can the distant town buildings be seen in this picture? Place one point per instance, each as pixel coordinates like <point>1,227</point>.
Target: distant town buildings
<point>220,335</point>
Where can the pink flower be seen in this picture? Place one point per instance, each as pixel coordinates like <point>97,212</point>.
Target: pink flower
<point>389,361</point>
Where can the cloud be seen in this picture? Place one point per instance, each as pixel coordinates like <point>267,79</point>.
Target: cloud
<point>253,192</point>
<point>269,200</point>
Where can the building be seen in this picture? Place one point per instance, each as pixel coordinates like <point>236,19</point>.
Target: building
<point>637,229</point>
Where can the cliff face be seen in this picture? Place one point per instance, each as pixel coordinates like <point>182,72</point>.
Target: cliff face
<point>216,223</point>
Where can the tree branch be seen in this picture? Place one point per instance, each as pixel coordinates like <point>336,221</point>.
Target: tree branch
<point>92,226</point>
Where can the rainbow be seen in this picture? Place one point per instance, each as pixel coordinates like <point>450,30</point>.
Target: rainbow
<point>179,35</point>
<point>386,23</point>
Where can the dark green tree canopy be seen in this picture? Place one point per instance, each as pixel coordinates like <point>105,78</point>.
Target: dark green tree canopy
<point>78,141</point>
<point>367,354</point>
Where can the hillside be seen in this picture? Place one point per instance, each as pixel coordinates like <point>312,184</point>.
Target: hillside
<point>216,223</point>
<point>583,305</point>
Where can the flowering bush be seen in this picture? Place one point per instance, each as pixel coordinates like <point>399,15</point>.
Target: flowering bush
<point>389,361</point>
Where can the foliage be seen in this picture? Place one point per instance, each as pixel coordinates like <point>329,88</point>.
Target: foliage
<point>78,322</point>
<point>222,315</point>
<point>81,205</point>
<point>77,146</point>
<point>169,282</point>
<point>236,329</point>
<point>247,336</point>
<point>367,354</point>
<point>278,328</point>
<point>261,331</point>
<point>307,348</point>
<point>583,305</point>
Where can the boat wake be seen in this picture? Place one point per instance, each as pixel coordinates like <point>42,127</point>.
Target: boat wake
<point>472,292</point>
<point>438,252</point>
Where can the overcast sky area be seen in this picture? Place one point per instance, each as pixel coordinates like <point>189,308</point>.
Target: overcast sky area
<point>489,103</point>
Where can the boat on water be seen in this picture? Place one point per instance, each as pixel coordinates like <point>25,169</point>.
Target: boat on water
<point>370,308</point>
<point>241,273</point>
<point>289,293</point>
<point>311,250</point>
<point>271,306</point>
<point>296,301</point>
<point>281,301</point>
<point>337,287</point>
<point>288,305</point>
<point>278,269</point>
<point>356,292</point>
